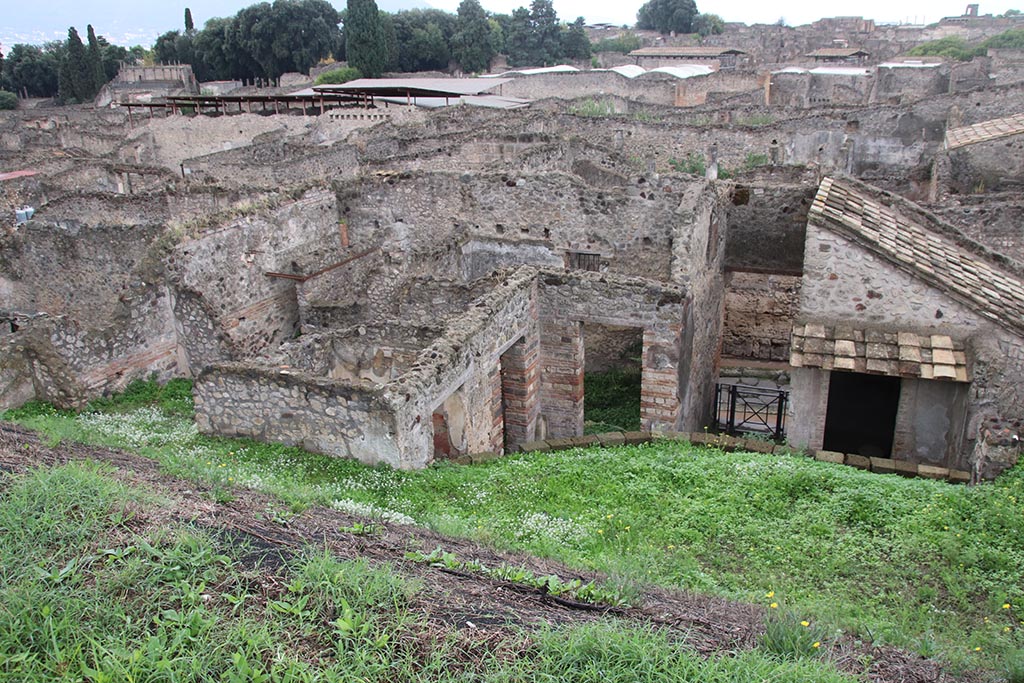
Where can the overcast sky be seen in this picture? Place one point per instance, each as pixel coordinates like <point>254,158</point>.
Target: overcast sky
<point>130,23</point>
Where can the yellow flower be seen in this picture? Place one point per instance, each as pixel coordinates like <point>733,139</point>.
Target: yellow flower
<point>805,623</point>
<point>671,547</point>
<point>774,605</point>
<point>600,531</point>
<point>1006,605</point>
<point>770,594</point>
<point>1006,629</point>
<point>627,527</point>
<point>977,649</point>
<point>609,516</point>
<point>816,645</point>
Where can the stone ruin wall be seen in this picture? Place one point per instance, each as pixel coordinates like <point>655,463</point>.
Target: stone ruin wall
<point>992,219</point>
<point>108,318</point>
<point>226,305</point>
<point>375,354</point>
<point>763,262</point>
<point>992,166</point>
<point>296,409</point>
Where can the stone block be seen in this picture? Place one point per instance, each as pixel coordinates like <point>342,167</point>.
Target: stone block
<point>701,438</point>
<point>634,438</point>
<point>560,444</point>
<point>585,441</point>
<point>932,472</point>
<point>904,468</point>
<point>671,435</point>
<point>830,456</point>
<point>960,476</point>
<point>728,443</point>
<point>486,456</point>
<point>758,446</point>
<point>883,465</point>
<point>858,461</point>
<point>610,439</point>
<point>531,446</point>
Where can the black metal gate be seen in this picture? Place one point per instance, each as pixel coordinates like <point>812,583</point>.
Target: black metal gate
<point>743,409</point>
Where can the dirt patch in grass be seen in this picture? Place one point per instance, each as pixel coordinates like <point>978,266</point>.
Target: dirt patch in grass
<point>487,612</point>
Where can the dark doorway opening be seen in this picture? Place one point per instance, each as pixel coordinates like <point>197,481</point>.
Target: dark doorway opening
<point>861,416</point>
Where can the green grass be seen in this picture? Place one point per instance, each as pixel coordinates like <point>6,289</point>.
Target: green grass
<point>83,597</point>
<point>915,563</point>
<point>612,401</point>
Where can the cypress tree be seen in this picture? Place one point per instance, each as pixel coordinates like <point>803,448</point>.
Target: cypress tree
<point>189,26</point>
<point>77,80</point>
<point>99,77</point>
<point>364,38</point>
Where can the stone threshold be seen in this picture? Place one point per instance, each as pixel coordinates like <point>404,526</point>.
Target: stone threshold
<point>728,443</point>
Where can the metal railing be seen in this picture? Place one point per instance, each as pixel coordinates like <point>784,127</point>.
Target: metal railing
<point>743,409</point>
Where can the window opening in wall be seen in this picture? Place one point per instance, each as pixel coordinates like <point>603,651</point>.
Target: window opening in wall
<point>612,358</point>
<point>861,414</point>
<point>582,260</point>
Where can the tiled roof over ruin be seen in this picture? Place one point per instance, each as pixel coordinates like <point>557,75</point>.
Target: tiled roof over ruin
<point>666,51</point>
<point>897,354</point>
<point>970,278</point>
<point>985,131</point>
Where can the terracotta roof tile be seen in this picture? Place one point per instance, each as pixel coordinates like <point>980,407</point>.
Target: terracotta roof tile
<point>898,354</point>
<point>985,131</point>
<point>979,283</point>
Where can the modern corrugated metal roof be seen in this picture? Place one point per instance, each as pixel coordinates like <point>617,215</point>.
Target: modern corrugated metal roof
<point>415,87</point>
<point>837,52</point>
<point>666,51</point>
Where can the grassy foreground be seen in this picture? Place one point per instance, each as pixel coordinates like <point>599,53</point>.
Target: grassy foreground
<point>84,598</point>
<point>925,565</point>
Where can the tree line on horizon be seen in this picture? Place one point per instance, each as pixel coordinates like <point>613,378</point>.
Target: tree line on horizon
<point>265,40</point>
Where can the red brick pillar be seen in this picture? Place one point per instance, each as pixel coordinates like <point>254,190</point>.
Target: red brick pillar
<point>520,390</point>
<point>561,377</point>
<point>660,403</point>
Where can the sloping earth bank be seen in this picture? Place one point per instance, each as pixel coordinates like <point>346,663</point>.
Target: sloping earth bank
<point>493,610</point>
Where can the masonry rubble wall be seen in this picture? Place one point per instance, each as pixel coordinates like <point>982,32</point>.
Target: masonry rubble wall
<point>99,209</point>
<point>992,166</point>
<point>655,89</point>
<point>296,409</point>
<point>767,223</point>
<point>104,322</point>
<point>992,219</point>
<point>170,140</point>
<point>759,312</point>
<point>467,360</point>
<point>374,354</point>
<point>845,284</point>
<point>429,223</point>
<point>225,304</point>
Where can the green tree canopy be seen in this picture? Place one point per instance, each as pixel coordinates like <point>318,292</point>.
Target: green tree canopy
<point>575,43</point>
<point>364,38</point>
<point>708,24</point>
<point>667,16</point>
<point>547,34</point>
<point>32,70</point>
<point>472,45</point>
